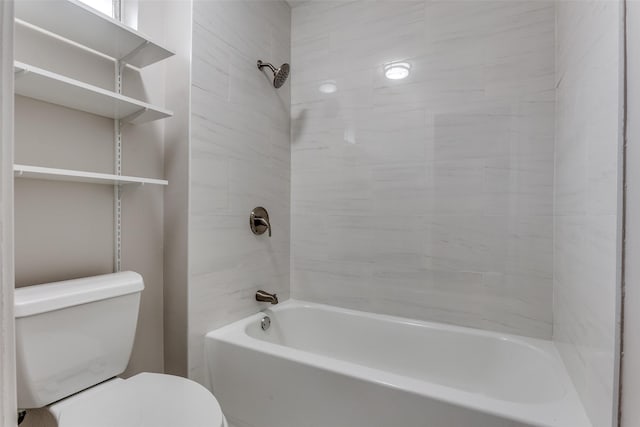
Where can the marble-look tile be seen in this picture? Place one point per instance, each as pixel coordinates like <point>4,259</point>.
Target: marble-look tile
<point>429,197</point>
<point>240,159</point>
<point>494,301</point>
<point>586,188</point>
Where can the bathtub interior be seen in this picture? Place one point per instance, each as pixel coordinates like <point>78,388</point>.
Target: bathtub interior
<point>501,367</point>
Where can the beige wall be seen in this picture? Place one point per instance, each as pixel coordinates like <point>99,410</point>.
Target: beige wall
<point>7,353</point>
<point>65,230</point>
<point>176,201</point>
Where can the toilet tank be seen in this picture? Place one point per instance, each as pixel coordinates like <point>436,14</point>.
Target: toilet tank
<point>74,334</point>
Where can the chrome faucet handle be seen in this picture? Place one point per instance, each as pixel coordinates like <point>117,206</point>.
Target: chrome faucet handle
<point>259,221</point>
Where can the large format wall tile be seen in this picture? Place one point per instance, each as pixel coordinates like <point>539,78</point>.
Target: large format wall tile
<point>429,197</point>
<point>240,159</point>
<point>586,190</point>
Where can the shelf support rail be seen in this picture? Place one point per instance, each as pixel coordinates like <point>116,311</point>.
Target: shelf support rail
<point>117,190</point>
<point>117,158</point>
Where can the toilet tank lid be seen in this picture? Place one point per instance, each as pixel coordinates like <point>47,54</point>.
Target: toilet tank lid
<point>37,299</point>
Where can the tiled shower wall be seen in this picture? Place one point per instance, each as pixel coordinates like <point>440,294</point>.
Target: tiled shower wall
<point>586,198</point>
<point>239,159</point>
<point>429,197</point>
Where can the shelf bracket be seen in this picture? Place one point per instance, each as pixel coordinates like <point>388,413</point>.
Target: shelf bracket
<point>125,59</point>
<point>19,73</point>
<point>131,117</point>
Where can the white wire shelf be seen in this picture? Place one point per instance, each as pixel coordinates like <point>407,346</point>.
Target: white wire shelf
<point>36,83</point>
<point>53,174</point>
<point>81,24</point>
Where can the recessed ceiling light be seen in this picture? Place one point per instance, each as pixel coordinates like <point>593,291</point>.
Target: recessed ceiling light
<point>328,86</point>
<point>397,70</point>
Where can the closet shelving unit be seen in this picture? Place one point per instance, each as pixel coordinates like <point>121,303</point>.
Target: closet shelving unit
<point>81,25</point>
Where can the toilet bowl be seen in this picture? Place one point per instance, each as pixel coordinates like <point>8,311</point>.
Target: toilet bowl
<point>74,338</point>
<point>144,400</point>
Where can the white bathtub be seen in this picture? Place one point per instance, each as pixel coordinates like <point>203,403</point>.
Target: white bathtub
<point>322,366</point>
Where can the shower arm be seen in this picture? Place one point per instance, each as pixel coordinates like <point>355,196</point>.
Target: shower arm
<point>266,64</point>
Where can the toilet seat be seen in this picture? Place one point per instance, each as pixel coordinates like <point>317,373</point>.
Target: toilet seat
<point>144,400</point>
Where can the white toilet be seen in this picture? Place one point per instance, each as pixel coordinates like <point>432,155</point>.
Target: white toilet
<point>74,337</point>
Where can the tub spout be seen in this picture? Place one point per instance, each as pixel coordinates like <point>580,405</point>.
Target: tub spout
<point>263,296</point>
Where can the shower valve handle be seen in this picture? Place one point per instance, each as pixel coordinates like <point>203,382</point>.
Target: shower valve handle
<point>265,223</point>
<point>259,221</point>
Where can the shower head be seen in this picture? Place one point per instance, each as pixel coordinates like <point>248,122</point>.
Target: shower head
<point>279,74</point>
